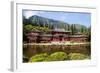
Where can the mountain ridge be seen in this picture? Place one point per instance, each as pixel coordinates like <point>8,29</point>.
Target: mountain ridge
<point>36,20</point>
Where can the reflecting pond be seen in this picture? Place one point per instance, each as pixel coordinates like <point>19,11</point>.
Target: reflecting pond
<point>31,50</point>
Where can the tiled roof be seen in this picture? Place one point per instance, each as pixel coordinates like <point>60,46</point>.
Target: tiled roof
<point>36,31</point>
<point>59,31</point>
<point>46,35</point>
<point>77,36</point>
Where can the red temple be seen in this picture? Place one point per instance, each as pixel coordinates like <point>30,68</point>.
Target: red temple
<point>55,36</point>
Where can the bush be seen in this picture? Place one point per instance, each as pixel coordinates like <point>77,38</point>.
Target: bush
<point>38,57</point>
<point>28,27</point>
<point>57,56</point>
<point>77,56</point>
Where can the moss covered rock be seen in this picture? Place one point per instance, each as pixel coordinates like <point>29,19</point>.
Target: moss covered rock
<point>77,56</point>
<point>57,56</point>
<point>38,57</point>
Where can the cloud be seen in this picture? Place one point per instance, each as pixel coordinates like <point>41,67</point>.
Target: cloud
<point>28,14</point>
<point>63,18</point>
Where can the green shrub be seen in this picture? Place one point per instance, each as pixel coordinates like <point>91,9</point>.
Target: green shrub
<point>28,27</point>
<point>88,57</point>
<point>57,56</point>
<point>77,56</point>
<point>38,57</point>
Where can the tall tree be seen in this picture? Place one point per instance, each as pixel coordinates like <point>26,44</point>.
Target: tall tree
<point>72,29</point>
<point>89,34</point>
<point>75,29</point>
<point>68,27</point>
<point>82,29</point>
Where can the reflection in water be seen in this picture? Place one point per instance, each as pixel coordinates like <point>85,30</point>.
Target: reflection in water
<point>31,50</point>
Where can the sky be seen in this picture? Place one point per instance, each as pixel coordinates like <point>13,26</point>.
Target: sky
<point>68,17</point>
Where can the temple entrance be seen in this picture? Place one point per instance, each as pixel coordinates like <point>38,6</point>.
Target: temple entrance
<point>61,38</point>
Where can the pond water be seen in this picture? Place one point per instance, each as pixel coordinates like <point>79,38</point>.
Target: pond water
<point>31,50</point>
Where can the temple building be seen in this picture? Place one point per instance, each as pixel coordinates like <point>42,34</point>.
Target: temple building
<point>56,35</point>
